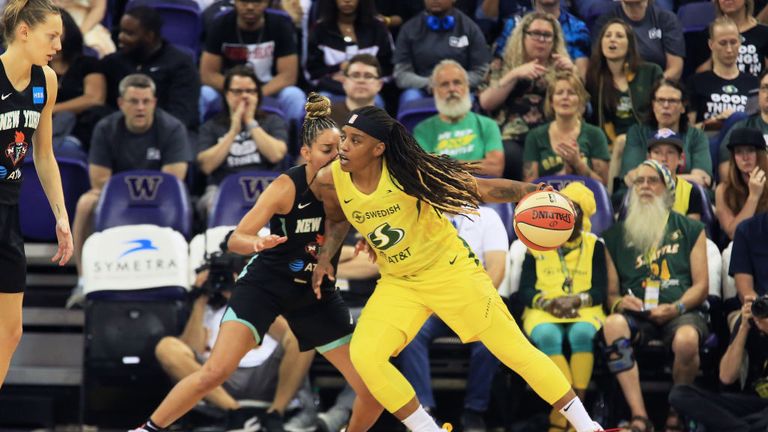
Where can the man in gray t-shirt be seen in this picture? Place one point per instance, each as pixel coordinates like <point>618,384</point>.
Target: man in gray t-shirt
<point>139,136</point>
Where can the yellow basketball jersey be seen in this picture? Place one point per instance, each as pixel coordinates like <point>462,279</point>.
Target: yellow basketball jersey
<point>407,234</point>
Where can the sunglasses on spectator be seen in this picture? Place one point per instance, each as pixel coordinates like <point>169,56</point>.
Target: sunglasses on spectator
<point>540,36</point>
<point>238,92</point>
<point>667,101</point>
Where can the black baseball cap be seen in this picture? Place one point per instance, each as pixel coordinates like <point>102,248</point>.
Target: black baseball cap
<point>751,137</point>
<point>666,136</point>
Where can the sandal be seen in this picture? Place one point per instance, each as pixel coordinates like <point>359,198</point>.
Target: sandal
<point>647,425</point>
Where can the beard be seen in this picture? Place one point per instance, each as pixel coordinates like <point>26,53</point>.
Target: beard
<point>645,222</point>
<point>454,106</point>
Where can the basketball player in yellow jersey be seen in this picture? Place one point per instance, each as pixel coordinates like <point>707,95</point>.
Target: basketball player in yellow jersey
<point>395,194</point>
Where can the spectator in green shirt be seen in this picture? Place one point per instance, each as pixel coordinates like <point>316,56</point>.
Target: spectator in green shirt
<point>567,144</point>
<point>456,131</point>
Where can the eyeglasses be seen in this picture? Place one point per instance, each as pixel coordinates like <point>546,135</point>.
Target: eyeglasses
<point>253,1</point>
<point>362,76</point>
<point>652,181</point>
<point>667,101</point>
<point>238,92</point>
<point>540,36</point>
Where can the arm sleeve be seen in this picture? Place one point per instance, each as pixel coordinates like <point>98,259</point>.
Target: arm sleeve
<point>673,40</point>
<point>406,78</point>
<point>177,147</point>
<point>184,93</point>
<point>527,290</point>
<point>599,144</point>
<point>491,134</point>
<point>479,56</point>
<point>700,156</point>
<point>386,49</point>
<point>423,137</point>
<point>634,150</point>
<point>285,39</point>
<point>494,232</point>
<point>740,261</point>
<point>99,153</point>
<point>599,275</point>
<point>694,202</point>
<point>580,44</point>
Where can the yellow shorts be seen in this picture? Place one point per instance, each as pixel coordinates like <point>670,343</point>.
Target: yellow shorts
<point>461,294</point>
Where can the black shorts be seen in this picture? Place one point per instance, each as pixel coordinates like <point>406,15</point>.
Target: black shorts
<point>643,330</point>
<point>13,261</point>
<point>322,324</point>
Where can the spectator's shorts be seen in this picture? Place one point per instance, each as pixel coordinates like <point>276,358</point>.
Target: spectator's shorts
<point>644,330</point>
<point>322,324</point>
<point>255,383</point>
<point>13,262</point>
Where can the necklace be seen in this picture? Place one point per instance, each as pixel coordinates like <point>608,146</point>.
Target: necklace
<point>348,31</point>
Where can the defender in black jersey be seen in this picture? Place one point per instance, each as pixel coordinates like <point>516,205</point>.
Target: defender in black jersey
<point>277,281</point>
<point>32,32</point>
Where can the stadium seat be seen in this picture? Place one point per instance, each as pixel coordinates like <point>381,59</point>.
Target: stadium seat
<point>237,194</point>
<point>37,221</point>
<point>182,20</point>
<point>696,16</point>
<point>416,111</point>
<point>707,214</point>
<point>144,197</point>
<point>603,217</point>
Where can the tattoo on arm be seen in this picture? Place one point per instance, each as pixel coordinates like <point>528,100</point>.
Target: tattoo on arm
<point>335,232</point>
<point>528,171</point>
<point>511,191</point>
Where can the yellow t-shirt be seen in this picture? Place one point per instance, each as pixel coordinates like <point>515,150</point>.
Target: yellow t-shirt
<point>408,235</point>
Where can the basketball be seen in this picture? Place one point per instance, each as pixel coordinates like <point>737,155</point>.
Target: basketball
<point>544,220</point>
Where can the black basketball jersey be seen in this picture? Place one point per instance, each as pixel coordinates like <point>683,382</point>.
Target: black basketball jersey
<point>304,226</point>
<point>19,116</point>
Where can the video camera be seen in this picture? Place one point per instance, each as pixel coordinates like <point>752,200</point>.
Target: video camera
<point>221,266</point>
<point>760,307</point>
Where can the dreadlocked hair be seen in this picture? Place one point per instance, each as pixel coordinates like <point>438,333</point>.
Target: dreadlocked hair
<point>445,183</point>
<point>318,118</point>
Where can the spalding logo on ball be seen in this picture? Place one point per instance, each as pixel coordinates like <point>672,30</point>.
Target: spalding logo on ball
<point>544,220</point>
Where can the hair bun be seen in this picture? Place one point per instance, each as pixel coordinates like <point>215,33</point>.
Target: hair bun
<point>317,106</point>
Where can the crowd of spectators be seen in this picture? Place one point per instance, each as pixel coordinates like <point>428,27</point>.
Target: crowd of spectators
<point>632,99</point>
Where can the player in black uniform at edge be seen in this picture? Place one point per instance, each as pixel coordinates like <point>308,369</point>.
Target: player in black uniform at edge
<point>32,32</point>
<point>278,282</point>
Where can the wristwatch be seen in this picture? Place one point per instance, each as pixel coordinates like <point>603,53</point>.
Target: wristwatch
<point>253,124</point>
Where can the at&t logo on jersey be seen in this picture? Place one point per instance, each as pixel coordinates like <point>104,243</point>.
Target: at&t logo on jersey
<point>299,265</point>
<point>38,95</point>
<point>16,150</point>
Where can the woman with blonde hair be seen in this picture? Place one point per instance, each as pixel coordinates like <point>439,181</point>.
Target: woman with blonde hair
<point>515,89</point>
<point>567,144</point>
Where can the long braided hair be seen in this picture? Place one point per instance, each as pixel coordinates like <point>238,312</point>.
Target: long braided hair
<point>445,183</point>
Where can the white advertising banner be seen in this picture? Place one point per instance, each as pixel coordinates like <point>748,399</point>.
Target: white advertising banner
<point>135,257</point>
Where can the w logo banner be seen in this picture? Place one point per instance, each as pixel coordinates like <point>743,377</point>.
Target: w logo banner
<point>143,188</point>
<point>253,187</point>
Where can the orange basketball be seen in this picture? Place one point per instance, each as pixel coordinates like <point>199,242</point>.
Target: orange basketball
<point>544,220</point>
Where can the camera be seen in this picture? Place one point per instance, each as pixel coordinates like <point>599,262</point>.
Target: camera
<point>760,307</point>
<point>221,266</point>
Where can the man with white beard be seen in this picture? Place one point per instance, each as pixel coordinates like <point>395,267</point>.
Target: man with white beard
<point>659,259</point>
<point>456,131</point>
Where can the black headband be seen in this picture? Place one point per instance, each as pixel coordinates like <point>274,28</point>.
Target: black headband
<point>371,127</point>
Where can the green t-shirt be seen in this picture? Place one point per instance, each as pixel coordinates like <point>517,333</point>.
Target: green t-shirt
<point>469,139</point>
<point>671,262</point>
<point>754,121</point>
<point>591,140</point>
<point>695,150</point>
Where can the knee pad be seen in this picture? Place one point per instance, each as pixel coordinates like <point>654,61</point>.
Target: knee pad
<point>619,355</point>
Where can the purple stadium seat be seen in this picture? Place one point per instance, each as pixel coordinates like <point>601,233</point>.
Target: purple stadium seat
<point>696,16</point>
<point>144,197</point>
<point>237,194</point>
<point>37,221</point>
<point>603,217</point>
<point>416,111</point>
<point>182,20</point>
